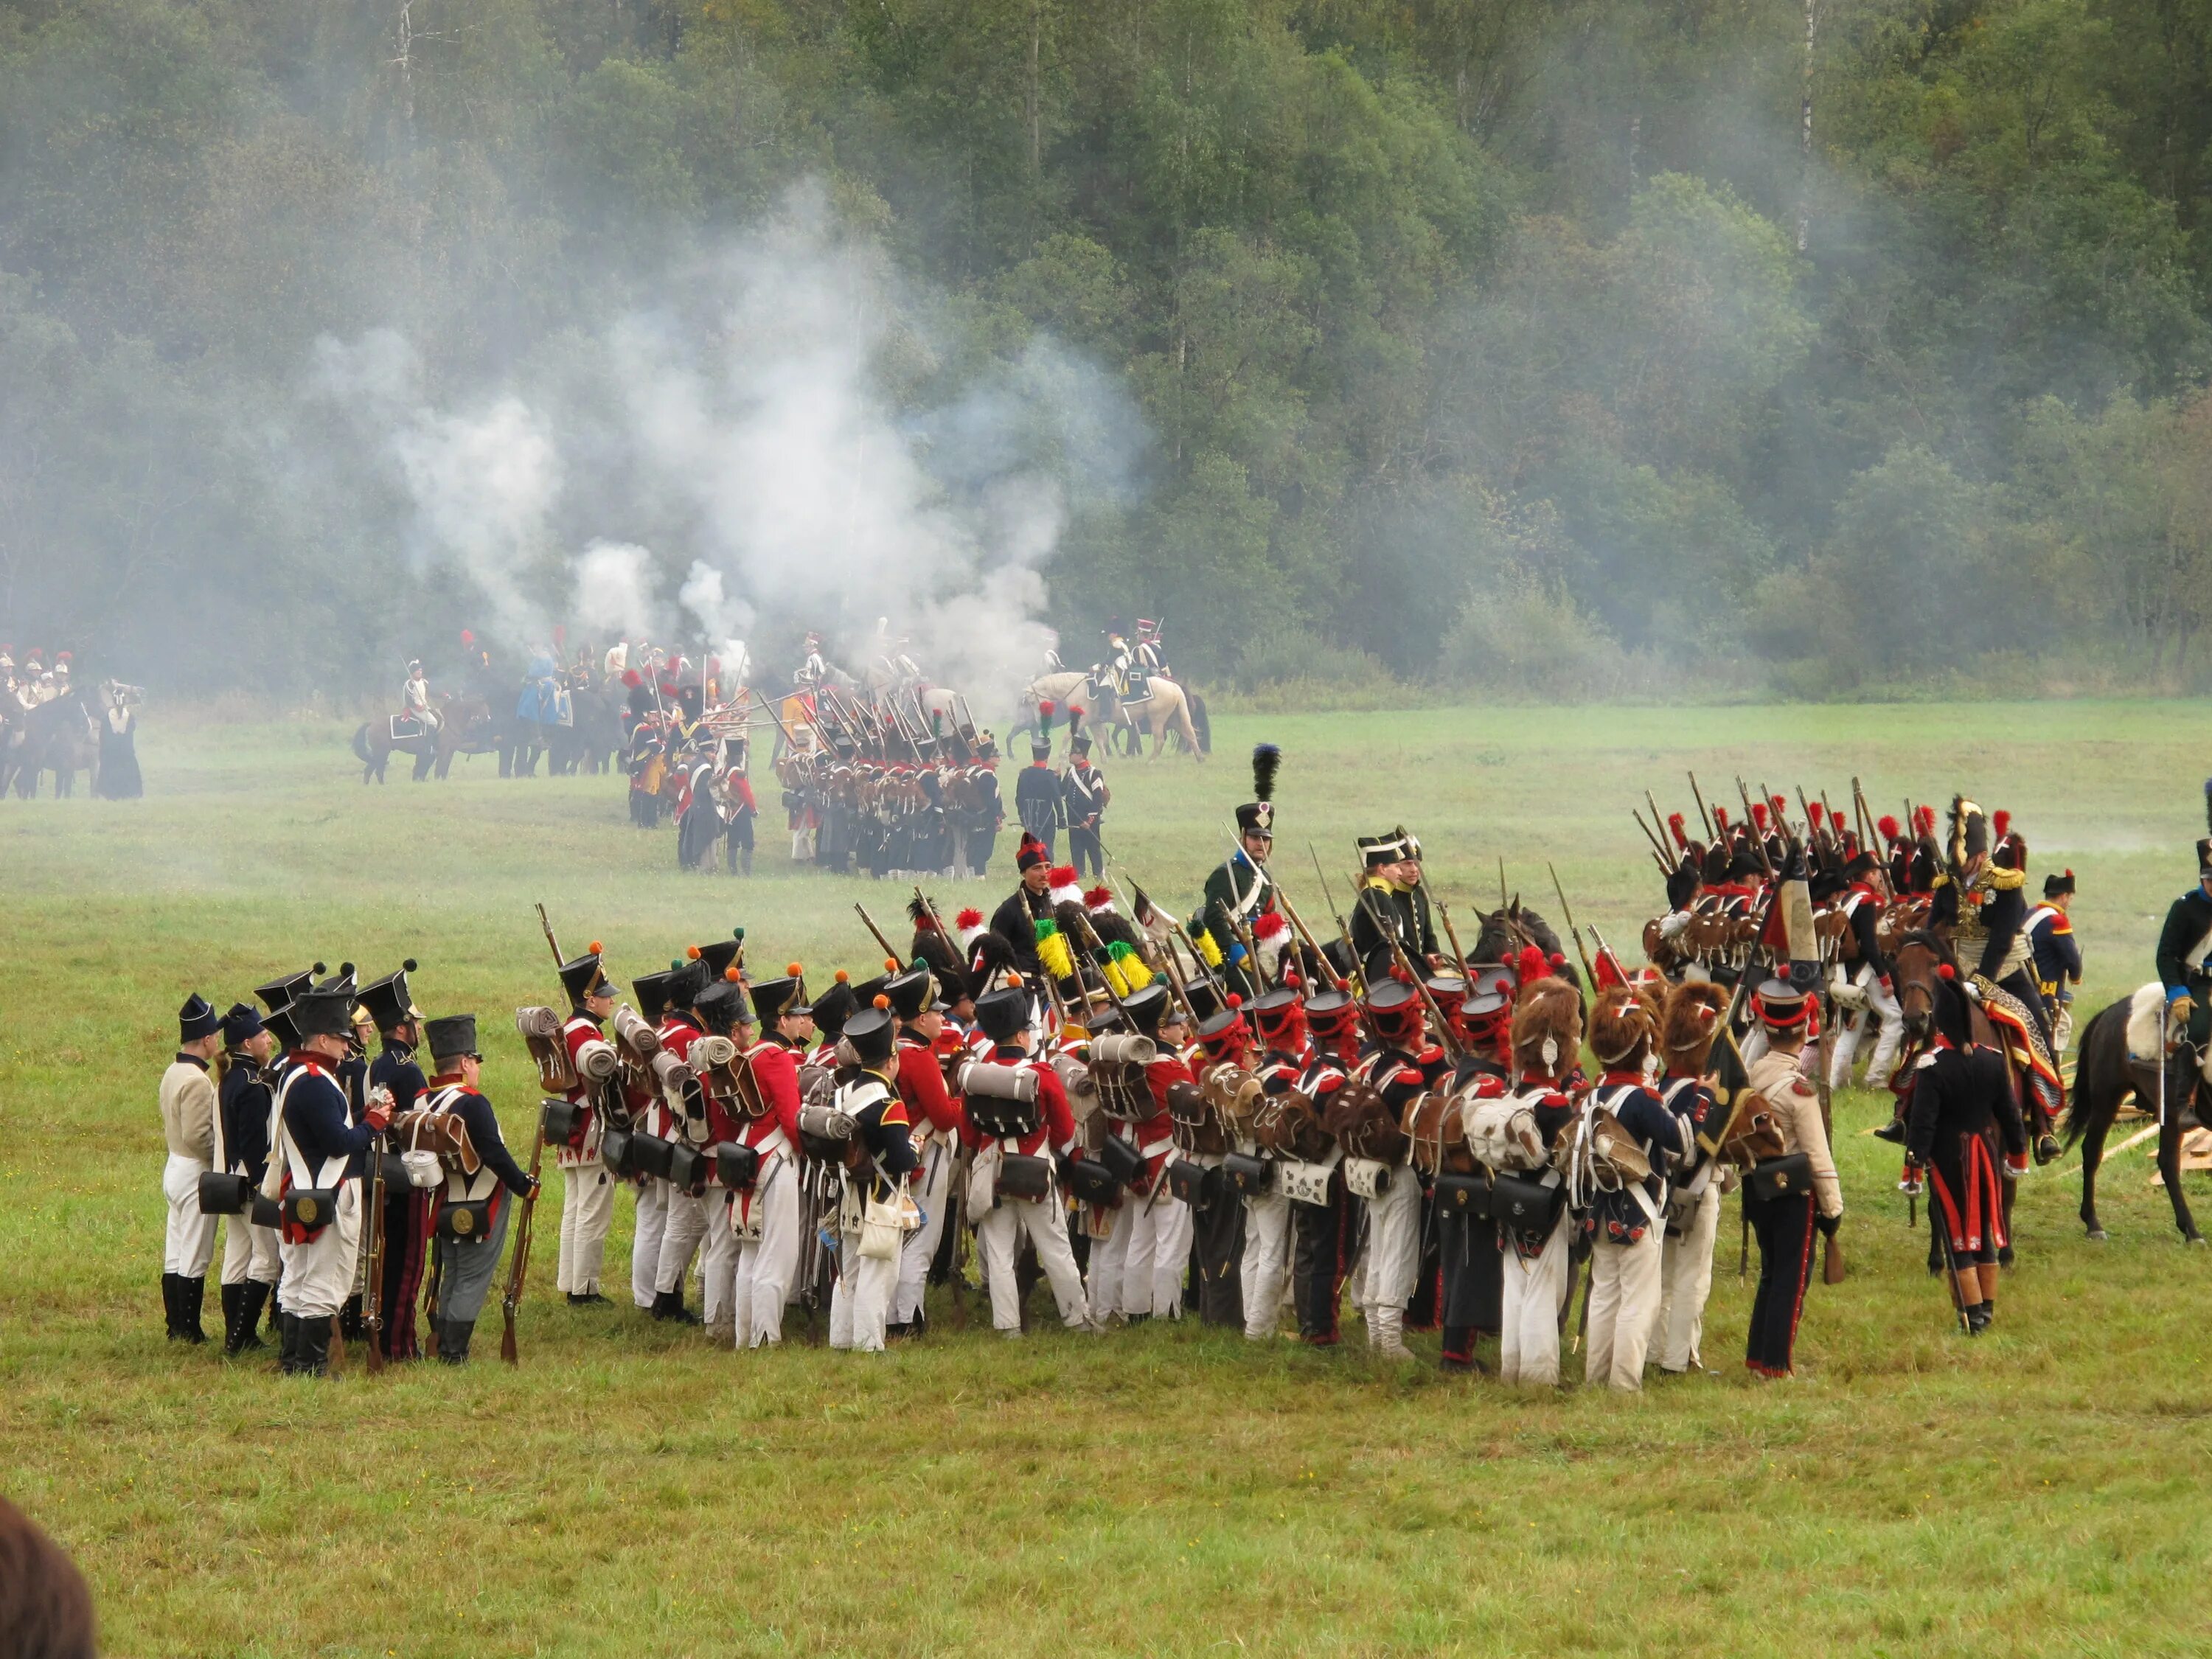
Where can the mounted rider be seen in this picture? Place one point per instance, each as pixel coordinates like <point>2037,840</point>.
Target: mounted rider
<point>415,702</point>
<point>1125,669</point>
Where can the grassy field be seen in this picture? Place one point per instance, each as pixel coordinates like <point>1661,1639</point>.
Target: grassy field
<point>632,1492</point>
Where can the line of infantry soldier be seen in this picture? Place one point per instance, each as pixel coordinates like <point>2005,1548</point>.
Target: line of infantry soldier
<point>1230,1117</point>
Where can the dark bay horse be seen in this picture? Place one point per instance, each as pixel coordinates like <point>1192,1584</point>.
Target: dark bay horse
<point>2104,1075</point>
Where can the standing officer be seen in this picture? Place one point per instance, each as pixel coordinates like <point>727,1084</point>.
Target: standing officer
<point>2056,955</point>
<point>766,1215</point>
<point>316,1166</point>
<point>933,1120</point>
<point>1037,801</point>
<point>188,1124</point>
<point>1240,890</point>
<point>1084,798</point>
<point>1784,1224</point>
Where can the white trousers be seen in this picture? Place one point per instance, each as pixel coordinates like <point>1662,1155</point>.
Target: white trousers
<point>1882,1006</point>
<point>188,1245</point>
<point>767,1265</point>
<point>644,1240</point>
<point>248,1252</point>
<point>319,1274</point>
<point>587,1210</point>
<point>935,1193</point>
<point>718,1261</point>
<point>1266,1260</point>
<point>862,1299</point>
<point>1623,1297</point>
<point>1685,1282</point>
<point>1138,1267</point>
<point>998,1236</point>
<point>1534,1291</point>
<point>680,1239</point>
<point>1390,1261</point>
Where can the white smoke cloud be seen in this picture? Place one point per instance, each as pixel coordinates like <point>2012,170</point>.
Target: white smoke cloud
<point>615,585</point>
<point>770,447</point>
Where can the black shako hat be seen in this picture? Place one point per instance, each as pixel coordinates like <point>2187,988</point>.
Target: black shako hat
<point>1003,1014</point>
<point>388,1000</point>
<point>454,1037</point>
<point>320,1012</point>
<point>587,975</point>
<point>197,1018</point>
<point>872,1033</point>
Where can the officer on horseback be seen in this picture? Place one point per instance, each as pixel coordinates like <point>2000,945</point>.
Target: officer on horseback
<point>2185,963</point>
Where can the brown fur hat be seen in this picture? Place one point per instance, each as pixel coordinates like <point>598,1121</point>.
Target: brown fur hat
<point>1548,1012</point>
<point>1688,1026</point>
<point>1623,1026</point>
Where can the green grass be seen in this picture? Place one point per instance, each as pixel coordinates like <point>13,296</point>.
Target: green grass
<point>632,1492</point>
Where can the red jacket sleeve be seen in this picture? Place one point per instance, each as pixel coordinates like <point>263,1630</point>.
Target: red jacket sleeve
<point>775,1071</point>
<point>1058,1118</point>
<point>922,1085</point>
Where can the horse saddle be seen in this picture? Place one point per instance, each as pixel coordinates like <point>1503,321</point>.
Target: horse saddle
<point>404,726</point>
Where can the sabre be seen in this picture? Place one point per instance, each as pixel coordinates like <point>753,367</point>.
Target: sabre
<point>1343,932</point>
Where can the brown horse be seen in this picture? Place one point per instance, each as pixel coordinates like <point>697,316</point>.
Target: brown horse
<point>464,728</point>
<point>2105,1073</point>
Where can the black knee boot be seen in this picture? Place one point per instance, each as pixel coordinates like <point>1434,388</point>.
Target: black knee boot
<point>239,1327</point>
<point>313,1358</point>
<point>453,1336</point>
<point>288,1341</point>
<point>169,1306</point>
<point>191,1295</point>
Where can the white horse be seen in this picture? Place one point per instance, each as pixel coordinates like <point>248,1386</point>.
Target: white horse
<point>1166,710</point>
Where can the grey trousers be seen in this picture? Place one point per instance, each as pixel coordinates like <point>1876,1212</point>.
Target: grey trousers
<point>466,1270</point>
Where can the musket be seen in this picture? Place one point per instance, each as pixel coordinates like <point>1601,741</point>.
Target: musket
<point>1588,973</point>
<point>1091,934</point>
<point>1504,903</point>
<point>895,959</point>
<point>1659,823</point>
<point>1658,855</point>
<point>1451,933</point>
<point>1444,1035</point>
<point>552,944</point>
<point>372,1253</point>
<point>1751,832</point>
<point>517,1266</point>
<point>1705,817</point>
<point>1335,979</point>
<point>1328,898</point>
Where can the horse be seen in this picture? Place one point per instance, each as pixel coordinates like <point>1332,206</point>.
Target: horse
<point>465,727</point>
<point>2105,1073</point>
<point>56,737</point>
<point>1918,963</point>
<point>1167,710</point>
<point>589,744</point>
<point>1506,931</point>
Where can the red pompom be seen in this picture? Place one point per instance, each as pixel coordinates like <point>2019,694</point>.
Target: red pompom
<point>1888,825</point>
<point>1236,998</point>
<point>1759,813</point>
<point>967,919</point>
<point>1044,710</point>
<point>1780,804</point>
<point>1293,981</point>
<point>1720,816</point>
<point>1559,960</point>
<point>1945,970</point>
<point>1812,814</point>
<point>1675,824</point>
<point>467,638</point>
<point>1074,713</point>
<point>2001,823</point>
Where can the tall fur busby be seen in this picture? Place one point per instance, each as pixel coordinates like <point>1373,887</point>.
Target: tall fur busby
<point>1548,1027</point>
<point>990,960</point>
<point>1624,1024</point>
<point>1689,1025</point>
<point>1970,831</point>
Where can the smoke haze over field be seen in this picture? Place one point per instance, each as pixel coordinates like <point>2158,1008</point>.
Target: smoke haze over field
<point>1513,348</point>
<point>750,421</point>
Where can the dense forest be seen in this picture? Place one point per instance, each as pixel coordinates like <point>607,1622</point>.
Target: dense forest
<point>1525,347</point>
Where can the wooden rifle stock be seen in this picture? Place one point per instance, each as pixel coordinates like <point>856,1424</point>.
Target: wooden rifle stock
<point>517,1266</point>
<point>896,963</point>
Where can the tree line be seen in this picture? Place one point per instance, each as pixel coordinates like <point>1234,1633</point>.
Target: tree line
<point>1538,347</point>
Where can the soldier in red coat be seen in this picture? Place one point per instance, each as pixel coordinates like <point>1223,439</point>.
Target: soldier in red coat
<point>1013,1188</point>
<point>764,1215</point>
<point>935,1117</point>
<point>588,1196</point>
<point>1137,1272</point>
